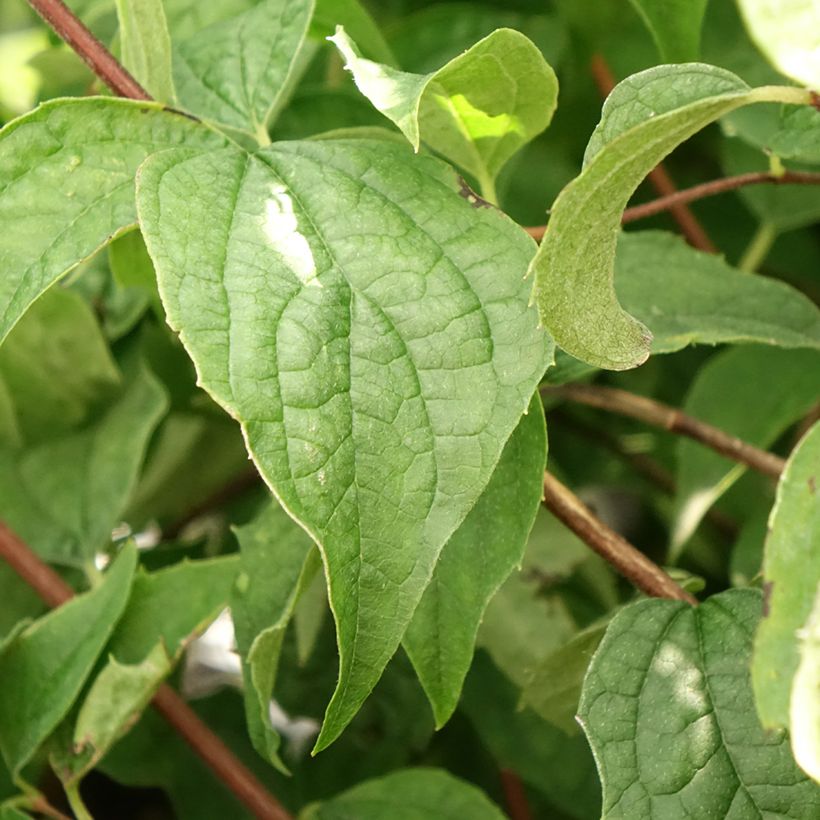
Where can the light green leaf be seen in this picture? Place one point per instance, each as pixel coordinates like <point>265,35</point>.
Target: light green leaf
<point>65,494</point>
<point>675,26</point>
<point>788,33</point>
<point>277,562</point>
<point>165,611</point>
<point>668,709</point>
<point>67,186</point>
<point>235,70</point>
<point>146,46</point>
<point>351,361</point>
<point>752,392</point>
<point>791,569</point>
<point>50,660</point>
<point>477,110</point>
<point>408,794</point>
<point>474,563</point>
<point>687,297</point>
<point>805,703</point>
<point>554,690</point>
<point>172,606</point>
<point>355,18</point>
<point>55,368</point>
<point>798,137</point>
<point>645,117</point>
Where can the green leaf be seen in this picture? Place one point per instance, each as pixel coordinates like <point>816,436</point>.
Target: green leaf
<point>408,794</point>
<point>675,26</point>
<point>705,301</point>
<point>788,33</point>
<point>668,709</point>
<point>235,71</point>
<point>805,703</point>
<point>554,689</point>
<point>166,610</point>
<point>356,19</point>
<point>55,368</point>
<point>65,494</point>
<point>753,392</point>
<point>646,116</point>
<point>351,362</point>
<point>50,660</point>
<point>277,562</point>
<point>799,135</point>
<point>477,110</point>
<point>146,46</point>
<point>474,563</point>
<point>791,569</point>
<point>67,186</point>
<point>558,766</point>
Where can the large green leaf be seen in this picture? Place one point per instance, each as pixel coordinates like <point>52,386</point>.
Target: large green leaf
<point>67,186</point>
<point>55,368</point>
<point>668,708</point>
<point>791,568</point>
<point>236,70</point>
<point>788,33</point>
<point>752,392</point>
<point>408,794</point>
<point>343,303</point>
<point>49,661</point>
<point>675,26</point>
<point>646,116</point>
<point>64,495</point>
<point>146,46</point>
<point>476,111</point>
<point>476,560</point>
<point>166,610</point>
<point>687,297</point>
<point>275,558</point>
<point>805,703</point>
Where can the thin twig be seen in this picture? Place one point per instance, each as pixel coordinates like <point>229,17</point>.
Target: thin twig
<point>98,58</point>
<point>222,761</point>
<point>518,807</point>
<point>670,418</point>
<point>659,177</point>
<point>612,547</point>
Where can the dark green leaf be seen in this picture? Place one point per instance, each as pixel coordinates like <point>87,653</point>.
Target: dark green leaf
<point>675,26</point>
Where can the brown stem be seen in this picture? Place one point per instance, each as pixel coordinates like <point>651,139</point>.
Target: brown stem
<point>222,761</point>
<point>658,176</point>
<point>518,807</point>
<point>670,418</point>
<point>40,805</point>
<point>613,548</point>
<point>98,58</point>
<point>704,189</point>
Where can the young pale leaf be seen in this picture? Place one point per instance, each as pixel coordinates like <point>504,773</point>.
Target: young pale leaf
<point>234,71</point>
<point>804,711</point>
<point>343,300</point>
<point>408,794</point>
<point>476,111</point>
<point>752,392</point>
<point>146,46</point>
<point>668,709</point>
<point>645,117</point>
<point>791,568</point>
<point>64,494</point>
<point>275,566</point>
<point>67,186</point>
<point>354,18</point>
<point>675,26</point>
<point>165,611</point>
<point>788,33</point>
<point>687,297</point>
<point>56,369</point>
<point>50,660</point>
<point>474,563</point>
